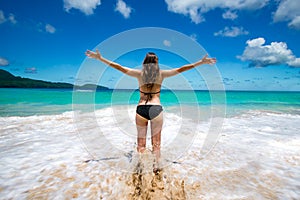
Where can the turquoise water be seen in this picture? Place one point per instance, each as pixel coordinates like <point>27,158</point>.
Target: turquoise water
<point>27,102</point>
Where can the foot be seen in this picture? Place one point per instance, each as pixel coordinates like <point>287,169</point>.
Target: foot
<point>156,168</point>
<point>139,167</point>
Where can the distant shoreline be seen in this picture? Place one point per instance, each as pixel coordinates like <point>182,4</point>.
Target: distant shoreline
<point>8,80</point>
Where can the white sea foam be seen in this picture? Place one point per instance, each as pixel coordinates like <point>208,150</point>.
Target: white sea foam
<point>43,157</point>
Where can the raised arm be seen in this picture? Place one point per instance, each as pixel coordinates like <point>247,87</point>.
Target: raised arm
<point>96,55</point>
<point>173,72</point>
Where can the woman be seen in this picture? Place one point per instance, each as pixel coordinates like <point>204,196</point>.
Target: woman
<point>150,79</point>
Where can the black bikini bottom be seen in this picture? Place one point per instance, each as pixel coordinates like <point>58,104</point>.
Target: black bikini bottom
<point>149,111</point>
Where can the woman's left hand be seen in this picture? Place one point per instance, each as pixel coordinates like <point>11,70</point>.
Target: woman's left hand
<point>91,54</point>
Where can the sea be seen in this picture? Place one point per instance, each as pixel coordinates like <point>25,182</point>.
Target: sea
<point>81,144</point>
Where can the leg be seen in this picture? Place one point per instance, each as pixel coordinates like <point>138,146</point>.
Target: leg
<point>141,125</point>
<point>156,127</point>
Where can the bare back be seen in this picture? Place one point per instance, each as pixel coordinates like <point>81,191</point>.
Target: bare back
<point>154,91</point>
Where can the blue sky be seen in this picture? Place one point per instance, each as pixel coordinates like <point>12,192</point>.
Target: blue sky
<point>256,42</point>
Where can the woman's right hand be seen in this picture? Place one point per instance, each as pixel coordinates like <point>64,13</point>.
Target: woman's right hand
<point>91,54</point>
<point>206,60</point>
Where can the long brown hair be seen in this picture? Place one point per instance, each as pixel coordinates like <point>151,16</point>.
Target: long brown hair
<point>150,71</point>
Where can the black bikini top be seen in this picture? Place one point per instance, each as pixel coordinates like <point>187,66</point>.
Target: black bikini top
<point>149,95</point>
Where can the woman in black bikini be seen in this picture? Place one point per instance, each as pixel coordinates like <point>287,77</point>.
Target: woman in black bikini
<point>150,79</point>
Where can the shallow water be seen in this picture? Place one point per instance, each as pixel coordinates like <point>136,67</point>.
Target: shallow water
<point>92,156</point>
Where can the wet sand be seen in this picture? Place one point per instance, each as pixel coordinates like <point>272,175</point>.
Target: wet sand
<point>135,186</point>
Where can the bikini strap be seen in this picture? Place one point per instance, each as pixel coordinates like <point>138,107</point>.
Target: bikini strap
<point>149,95</point>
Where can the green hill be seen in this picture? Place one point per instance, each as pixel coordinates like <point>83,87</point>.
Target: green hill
<point>7,80</point>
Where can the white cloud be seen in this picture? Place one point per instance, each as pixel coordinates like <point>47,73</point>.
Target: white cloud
<point>193,37</point>
<point>294,63</point>
<point>31,70</point>
<point>11,18</point>
<point>195,16</point>
<point>288,10</point>
<point>50,29</point>
<point>256,42</point>
<point>261,55</point>
<point>231,32</point>
<point>167,43</point>
<point>85,6</point>
<point>230,15</point>
<point>2,17</point>
<point>196,8</point>
<point>123,8</point>
<point>3,62</point>
<point>295,23</point>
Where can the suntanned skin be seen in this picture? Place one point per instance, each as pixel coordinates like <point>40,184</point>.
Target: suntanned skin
<point>141,122</point>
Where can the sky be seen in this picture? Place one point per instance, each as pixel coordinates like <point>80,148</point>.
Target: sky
<point>256,42</point>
